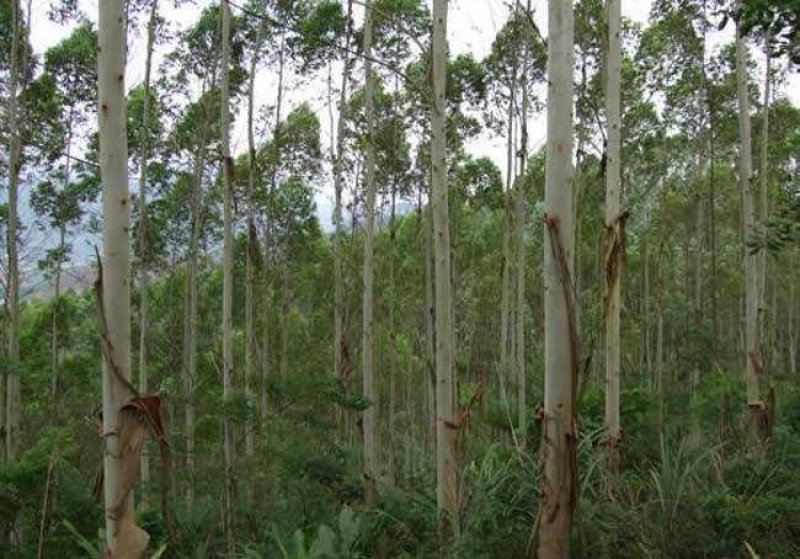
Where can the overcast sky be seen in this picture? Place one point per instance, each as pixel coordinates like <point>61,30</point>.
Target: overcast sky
<point>472,25</point>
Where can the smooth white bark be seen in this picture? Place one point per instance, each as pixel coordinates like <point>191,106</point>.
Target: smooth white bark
<point>559,430</point>
<point>123,538</point>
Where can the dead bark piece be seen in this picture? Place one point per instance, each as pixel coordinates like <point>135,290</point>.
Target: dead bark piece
<point>131,540</point>
<point>130,437</point>
<point>614,254</point>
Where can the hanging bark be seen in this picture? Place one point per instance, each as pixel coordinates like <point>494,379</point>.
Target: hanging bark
<point>370,417</point>
<point>756,411</point>
<point>144,278</point>
<point>227,276</point>
<point>123,538</point>
<point>447,497</point>
<point>559,431</point>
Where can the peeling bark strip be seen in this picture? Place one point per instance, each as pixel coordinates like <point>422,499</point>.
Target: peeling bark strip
<point>613,256</point>
<point>136,417</point>
<point>569,295</point>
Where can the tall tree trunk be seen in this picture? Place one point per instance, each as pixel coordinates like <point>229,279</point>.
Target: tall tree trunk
<point>712,183</point>
<point>660,363</point>
<point>269,250</point>
<point>446,429</point>
<point>370,385</point>
<point>615,233</point>
<point>505,270</point>
<point>144,278</point>
<point>338,185</point>
<point>123,537</point>
<point>391,327</point>
<point>190,318</point>
<point>559,436</point>
<point>764,193</point>
<point>519,218</point>
<point>699,245</point>
<point>12,403</point>
<point>756,408</point>
<point>227,276</point>
<point>252,247</point>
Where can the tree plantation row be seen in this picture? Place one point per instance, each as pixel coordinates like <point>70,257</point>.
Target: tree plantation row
<point>554,313</point>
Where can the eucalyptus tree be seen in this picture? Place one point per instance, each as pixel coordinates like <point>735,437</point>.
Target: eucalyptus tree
<point>251,252</point>
<point>226,171</point>
<point>369,420</point>
<point>503,68</point>
<point>559,429</point>
<point>18,75</point>
<point>389,147</point>
<point>283,44</point>
<point>122,537</point>
<point>615,242</point>
<point>195,138</point>
<point>447,492</point>
<point>532,72</point>
<point>339,341</point>
<point>145,142</point>
<point>755,411</point>
<point>400,28</point>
